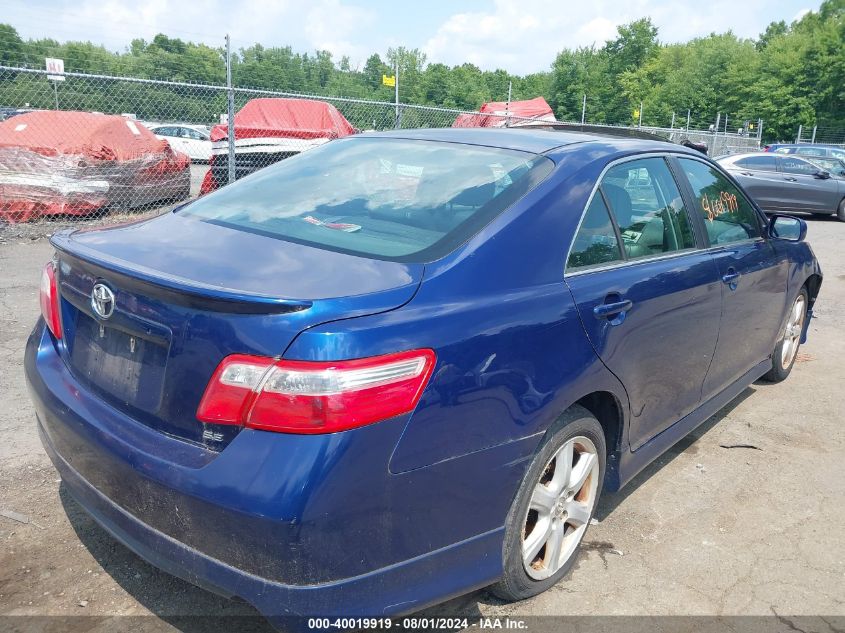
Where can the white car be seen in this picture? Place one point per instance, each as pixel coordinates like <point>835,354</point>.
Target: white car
<point>193,140</point>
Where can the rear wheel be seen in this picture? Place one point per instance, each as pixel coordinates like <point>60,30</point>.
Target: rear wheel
<point>840,212</point>
<point>785,352</point>
<point>553,507</point>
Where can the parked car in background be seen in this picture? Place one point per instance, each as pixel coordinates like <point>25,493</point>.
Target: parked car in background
<point>402,366</point>
<point>80,163</point>
<point>193,140</point>
<point>270,130</point>
<point>787,182</point>
<point>806,149</point>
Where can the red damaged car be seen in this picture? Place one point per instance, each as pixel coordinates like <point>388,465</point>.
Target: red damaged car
<point>79,163</point>
<point>269,130</point>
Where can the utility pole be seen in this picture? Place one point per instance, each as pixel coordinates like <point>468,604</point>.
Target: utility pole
<point>584,109</point>
<point>230,116</point>
<point>688,113</point>
<point>672,125</point>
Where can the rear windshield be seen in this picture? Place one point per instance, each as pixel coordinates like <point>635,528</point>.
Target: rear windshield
<point>395,199</point>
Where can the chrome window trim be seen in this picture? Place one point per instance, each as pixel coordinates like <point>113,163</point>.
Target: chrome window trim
<point>672,255</point>
<point>624,262</point>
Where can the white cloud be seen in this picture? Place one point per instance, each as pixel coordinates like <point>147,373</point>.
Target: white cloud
<point>332,26</point>
<point>525,35</point>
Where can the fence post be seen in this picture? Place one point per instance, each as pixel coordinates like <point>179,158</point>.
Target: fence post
<point>672,126</point>
<point>798,138</point>
<point>584,109</point>
<point>688,113</point>
<point>508,106</point>
<point>396,123</point>
<point>230,117</point>
<point>640,124</point>
<point>815,127</point>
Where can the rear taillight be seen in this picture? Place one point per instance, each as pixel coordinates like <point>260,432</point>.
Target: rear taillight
<point>314,397</point>
<point>49,297</point>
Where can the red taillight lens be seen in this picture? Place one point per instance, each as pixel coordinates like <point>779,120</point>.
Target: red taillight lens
<point>314,397</point>
<point>49,297</point>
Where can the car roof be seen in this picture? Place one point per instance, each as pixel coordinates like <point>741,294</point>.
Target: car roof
<point>522,139</point>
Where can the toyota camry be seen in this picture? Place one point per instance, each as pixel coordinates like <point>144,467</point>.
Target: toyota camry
<point>405,365</point>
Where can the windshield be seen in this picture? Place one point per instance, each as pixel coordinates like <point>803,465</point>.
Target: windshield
<point>395,199</point>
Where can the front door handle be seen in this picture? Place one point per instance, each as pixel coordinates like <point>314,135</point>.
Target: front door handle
<point>791,179</point>
<point>731,278</point>
<point>611,309</point>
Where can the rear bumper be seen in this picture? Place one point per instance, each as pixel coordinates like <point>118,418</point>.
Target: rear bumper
<point>295,525</point>
<point>400,588</point>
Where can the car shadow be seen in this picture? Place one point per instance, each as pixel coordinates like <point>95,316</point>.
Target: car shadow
<point>184,606</point>
<point>194,610</point>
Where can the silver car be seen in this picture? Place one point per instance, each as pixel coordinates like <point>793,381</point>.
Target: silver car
<point>786,182</point>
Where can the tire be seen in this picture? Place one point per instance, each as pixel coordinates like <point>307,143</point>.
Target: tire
<point>786,350</point>
<point>840,211</point>
<point>535,515</point>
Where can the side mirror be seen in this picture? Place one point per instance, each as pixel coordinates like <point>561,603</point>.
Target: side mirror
<point>822,175</point>
<point>787,227</point>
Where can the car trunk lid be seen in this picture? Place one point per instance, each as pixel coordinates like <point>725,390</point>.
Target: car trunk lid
<point>187,293</point>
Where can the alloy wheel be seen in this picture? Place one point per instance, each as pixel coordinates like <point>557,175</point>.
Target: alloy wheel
<point>561,505</point>
<point>792,333</point>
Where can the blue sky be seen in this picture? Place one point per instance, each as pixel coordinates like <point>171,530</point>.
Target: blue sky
<point>519,35</point>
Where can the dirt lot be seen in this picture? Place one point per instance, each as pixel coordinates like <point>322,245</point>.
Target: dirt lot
<point>707,530</point>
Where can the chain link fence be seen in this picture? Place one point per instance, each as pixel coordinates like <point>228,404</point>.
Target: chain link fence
<point>77,146</point>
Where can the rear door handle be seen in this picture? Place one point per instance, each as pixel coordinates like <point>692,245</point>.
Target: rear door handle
<point>610,309</point>
<point>731,278</point>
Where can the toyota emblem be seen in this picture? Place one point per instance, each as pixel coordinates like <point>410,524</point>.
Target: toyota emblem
<point>102,301</point>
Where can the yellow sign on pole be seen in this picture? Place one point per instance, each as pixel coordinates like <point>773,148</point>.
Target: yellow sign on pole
<point>389,81</point>
<point>636,114</point>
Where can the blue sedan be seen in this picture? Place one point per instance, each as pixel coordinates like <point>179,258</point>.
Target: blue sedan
<point>405,365</point>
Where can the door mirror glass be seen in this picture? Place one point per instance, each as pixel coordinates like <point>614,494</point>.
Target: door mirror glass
<point>786,227</point>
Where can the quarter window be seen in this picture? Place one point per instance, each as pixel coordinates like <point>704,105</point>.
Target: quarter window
<point>596,242</point>
<point>648,208</point>
<point>728,216</point>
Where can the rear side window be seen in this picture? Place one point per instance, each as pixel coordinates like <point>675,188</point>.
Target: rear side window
<point>811,151</point>
<point>648,208</point>
<point>596,242</point>
<point>728,216</point>
<point>394,199</point>
<point>760,163</point>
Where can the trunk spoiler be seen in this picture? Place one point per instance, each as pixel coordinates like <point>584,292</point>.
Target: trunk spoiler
<point>178,289</point>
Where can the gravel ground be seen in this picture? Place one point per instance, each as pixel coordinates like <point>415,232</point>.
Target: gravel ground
<point>706,530</point>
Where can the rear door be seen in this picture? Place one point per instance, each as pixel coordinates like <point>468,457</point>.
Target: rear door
<point>804,190</point>
<point>753,276</point>
<point>649,298</point>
